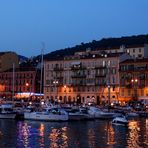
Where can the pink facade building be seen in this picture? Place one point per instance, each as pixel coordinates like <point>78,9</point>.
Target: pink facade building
<point>82,78</point>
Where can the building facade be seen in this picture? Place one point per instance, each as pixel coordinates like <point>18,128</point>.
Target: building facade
<point>82,78</point>
<point>22,80</point>
<point>133,79</point>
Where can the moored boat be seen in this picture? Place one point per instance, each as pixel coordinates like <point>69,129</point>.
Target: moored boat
<point>120,121</point>
<point>7,111</point>
<point>49,114</point>
<point>97,113</point>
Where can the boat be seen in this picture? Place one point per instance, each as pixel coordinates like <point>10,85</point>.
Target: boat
<point>7,111</point>
<point>121,120</point>
<point>143,114</point>
<point>98,113</point>
<point>84,112</point>
<point>75,114</point>
<point>48,114</point>
<point>132,114</point>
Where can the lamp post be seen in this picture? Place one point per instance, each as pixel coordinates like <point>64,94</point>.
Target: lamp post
<point>134,85</point>
<point>65,98</point>
<point>29,90</point>
<point>55,82</point>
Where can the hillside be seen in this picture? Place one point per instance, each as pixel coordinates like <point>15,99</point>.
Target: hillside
<point>103,43</point>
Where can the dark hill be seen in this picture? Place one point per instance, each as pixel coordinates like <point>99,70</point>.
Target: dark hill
<point>101,44</point>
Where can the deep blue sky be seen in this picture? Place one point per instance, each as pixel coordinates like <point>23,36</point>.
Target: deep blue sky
<point>25,24</point>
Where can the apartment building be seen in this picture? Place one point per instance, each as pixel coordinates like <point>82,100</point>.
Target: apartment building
<point>135,51</point>
<point>22,80</point>
<point>133,79</point>
<point>84,77</point>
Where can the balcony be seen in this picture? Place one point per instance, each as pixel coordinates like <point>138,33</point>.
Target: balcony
<point>100,67</point>
<point>77,67</point>
<point>78,84</point>
<point>136,68</point>
<point>58,69</point>
<point>79,76</point>
<point>100,75</point>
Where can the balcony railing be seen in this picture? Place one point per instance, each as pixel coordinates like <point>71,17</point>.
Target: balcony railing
<point>79,76</point>
<point>77,67</point>
<point>100,75</point>
<point>145,68</point>
<point>58,69</point>
<point>100,67</point>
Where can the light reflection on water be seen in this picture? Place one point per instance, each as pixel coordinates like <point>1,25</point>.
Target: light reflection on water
<point>138,133</point>
<point>58,138</point>
<point>81,134</point>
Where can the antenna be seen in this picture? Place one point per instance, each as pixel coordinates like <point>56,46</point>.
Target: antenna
<point>41,80</point>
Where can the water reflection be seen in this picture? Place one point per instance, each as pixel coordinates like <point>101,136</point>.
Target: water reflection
<point>91,138</point>
<point>110,135</point>
<point>146,135</point>
<point>89,134</point>
<point>25,135</point>
<point>133,136</point>
<point>58,138</point>
<point>42,135</point>
<point>138,133</point>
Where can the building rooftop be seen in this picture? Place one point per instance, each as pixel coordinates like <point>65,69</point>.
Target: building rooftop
<point>145,60</point>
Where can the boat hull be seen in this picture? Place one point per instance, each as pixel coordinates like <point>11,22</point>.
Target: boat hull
<point>7,115</point>
<point>120,121</point>
<point>45,117</point>
<point>104,115</point>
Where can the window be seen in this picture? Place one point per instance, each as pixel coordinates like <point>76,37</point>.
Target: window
<point>103,63</point>
<point>129,92</point>
<point>122,92</point>
<point>139,49</point>
<point>128,51</point>
<point>113,79</point>
<point>140,55</point>
<point>133,50</point>
<point>48,67</point>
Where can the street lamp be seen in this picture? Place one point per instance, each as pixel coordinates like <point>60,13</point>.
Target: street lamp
<point>28,90</point>
<point>55,82</point>
<point>134,84</point>
<point>65,98</point>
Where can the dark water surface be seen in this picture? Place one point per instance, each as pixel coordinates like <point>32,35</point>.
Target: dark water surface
<point>78,134</point>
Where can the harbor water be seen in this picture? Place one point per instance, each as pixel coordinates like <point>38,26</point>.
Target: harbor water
<point>74,134</point>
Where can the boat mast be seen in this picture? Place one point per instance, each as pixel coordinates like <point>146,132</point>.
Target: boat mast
<point>13,82</point>
<point>41,79</point>
<point>108,84</point>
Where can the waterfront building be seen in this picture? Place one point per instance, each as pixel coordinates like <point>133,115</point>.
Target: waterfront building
<point>90,76</point>
<point>7,59</point>
<point>19,81</point>
<point>133,79</point>
<point>135,51</point>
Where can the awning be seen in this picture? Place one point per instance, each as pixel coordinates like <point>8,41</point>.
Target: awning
<point>76,63</point>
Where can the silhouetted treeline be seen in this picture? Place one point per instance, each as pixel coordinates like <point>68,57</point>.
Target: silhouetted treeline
<point>104,43</point>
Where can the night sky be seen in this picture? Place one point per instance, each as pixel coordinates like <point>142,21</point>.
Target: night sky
<point>26,24</point>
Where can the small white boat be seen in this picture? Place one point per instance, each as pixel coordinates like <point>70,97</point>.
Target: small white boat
<point>49,114</point>
<point>120,121</point>
<point>7,111</point>
<point>97,113</point>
